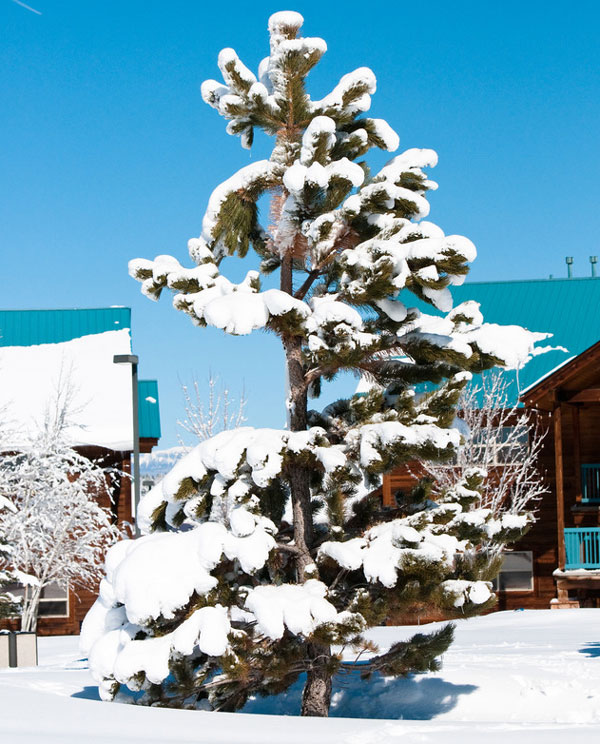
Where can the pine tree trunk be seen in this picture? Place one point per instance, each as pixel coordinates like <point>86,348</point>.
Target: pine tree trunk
<point>316,696</point>
<point>297,400</point>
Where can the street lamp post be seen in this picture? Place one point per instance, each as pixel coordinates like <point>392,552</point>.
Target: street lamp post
<point>133,360</point>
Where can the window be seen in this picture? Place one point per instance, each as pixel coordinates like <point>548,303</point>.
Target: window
<point>516,574</point>
<point>513,445</point>
<point>501,445</point>
<point>54,601</point>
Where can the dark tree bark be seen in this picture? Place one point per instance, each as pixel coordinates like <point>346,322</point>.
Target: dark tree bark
<point>316,696</point>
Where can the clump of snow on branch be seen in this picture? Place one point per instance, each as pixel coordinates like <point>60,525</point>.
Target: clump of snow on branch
<point>463,330</point>
<point>463,591</point>
<point>180,565</point>
<point>299,607</point>
<point>234,465</point>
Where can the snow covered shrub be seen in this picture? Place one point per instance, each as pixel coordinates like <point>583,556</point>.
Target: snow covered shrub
<point>263,549</point>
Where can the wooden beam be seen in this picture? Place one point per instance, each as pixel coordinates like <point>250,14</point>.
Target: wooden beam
<point>553,380</point>
<point>589,395</point>
<point>576,451</point>
<point>387,491</point>
<point>560,493</point>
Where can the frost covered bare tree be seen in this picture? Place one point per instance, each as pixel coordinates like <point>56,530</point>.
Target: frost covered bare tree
<point>53,524</point>
<point>209,412</point>
<point>501,439</point>
<point>263,548</point>
<point>9,604</point>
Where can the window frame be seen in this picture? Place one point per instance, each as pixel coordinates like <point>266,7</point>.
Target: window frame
<point>504,452</point>
<point>45,600</point>
<point>48,600</point>
<point>496,582</point>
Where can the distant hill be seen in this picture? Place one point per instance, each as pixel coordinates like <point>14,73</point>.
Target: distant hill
<point>155,465</point>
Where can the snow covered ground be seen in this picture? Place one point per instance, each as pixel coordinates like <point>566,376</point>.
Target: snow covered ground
<point>533,676</point>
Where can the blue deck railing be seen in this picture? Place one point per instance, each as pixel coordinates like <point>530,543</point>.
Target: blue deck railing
<point>582,547</point>
<point>590,483</point>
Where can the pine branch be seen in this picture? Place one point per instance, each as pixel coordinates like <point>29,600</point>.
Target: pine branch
<point>308,282</point>
<point>420,654</point>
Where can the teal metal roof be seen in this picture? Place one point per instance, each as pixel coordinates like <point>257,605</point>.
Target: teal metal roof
<point>567,308</point>
<point>148,411</point>
<point>31,327</point>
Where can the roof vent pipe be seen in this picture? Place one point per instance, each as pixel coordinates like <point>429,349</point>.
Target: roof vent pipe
<point>593,261</point>
<point>569,261</point>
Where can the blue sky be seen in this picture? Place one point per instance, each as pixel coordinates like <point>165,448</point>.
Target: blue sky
<point>109,152</point>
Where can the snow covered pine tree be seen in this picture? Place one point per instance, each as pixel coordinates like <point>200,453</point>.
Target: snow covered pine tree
<point>263,548</point>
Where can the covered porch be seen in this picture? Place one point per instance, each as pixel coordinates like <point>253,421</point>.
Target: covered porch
<point>571,398</point>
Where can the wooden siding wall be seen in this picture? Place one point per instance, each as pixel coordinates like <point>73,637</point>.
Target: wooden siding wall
<point>541,538</point>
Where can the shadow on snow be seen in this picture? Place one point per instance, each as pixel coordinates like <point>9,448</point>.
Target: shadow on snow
<point>88,693</point>
<point>591,649</point>
<point>412,698</point>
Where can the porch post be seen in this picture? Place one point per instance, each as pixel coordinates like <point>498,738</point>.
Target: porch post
<point>576,451</point>
<point>387,491</point>
<point>560,494</point>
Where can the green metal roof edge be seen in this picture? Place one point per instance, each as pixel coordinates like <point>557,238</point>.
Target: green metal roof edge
<point>148,411</point>
<point>531,281</point>
<point>58,325</point>
<point>59,309</point>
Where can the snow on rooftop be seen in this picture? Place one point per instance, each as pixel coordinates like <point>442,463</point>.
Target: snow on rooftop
<point>101,407</point>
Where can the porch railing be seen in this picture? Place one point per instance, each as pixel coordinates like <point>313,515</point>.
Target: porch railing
<point>590,483</point>
<point>582,547</point>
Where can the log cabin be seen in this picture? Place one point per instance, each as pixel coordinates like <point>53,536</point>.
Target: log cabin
<point>569,564</point>
<point>557,563</point>
<point>36,347</point>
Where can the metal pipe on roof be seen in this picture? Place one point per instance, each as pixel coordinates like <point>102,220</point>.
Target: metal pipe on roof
<point>569,262</point>
<point>593,261</point>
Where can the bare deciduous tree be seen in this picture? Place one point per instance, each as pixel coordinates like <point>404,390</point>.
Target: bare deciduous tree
<point>207,415</point>
<point>504,441</point>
